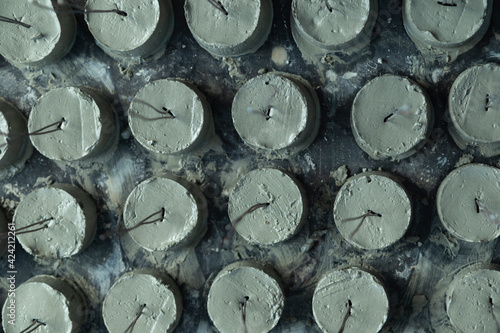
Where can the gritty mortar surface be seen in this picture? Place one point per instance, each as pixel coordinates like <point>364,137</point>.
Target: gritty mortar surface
<point>410,267</point>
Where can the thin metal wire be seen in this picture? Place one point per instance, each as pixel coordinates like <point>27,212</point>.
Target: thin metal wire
<point>23,230</point>
<point>80,10</point>
<point>145,221</point>
<point>217,4</point>
<point>243,309</point>
<point>166,113</point>
<point>34,133</point>
<point>9,20</point>
<point>363,217</point>
<point>34,325</point>
<point>130,328</point>
<point>328,6</point>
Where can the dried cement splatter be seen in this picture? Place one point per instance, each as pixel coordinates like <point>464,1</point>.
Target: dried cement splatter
<point>465,159</point>
<point>340,175</point>
<point>279,56</point>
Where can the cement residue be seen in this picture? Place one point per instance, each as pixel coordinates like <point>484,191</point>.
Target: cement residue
<point>8,204</point>
<point>318,247</point>
<point>94,275</point>
<point>340,175</point>
<point>279,56</point>
<point>108,177</point>
<point>4,229</point>
<point>44,181</point>
<point>425,71</point>
<point>186,165</point>
<point>464,159</point>
<point>43,80</point>
<point>236,171</point>
<point>233,69</point>
<point>182,264</point>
